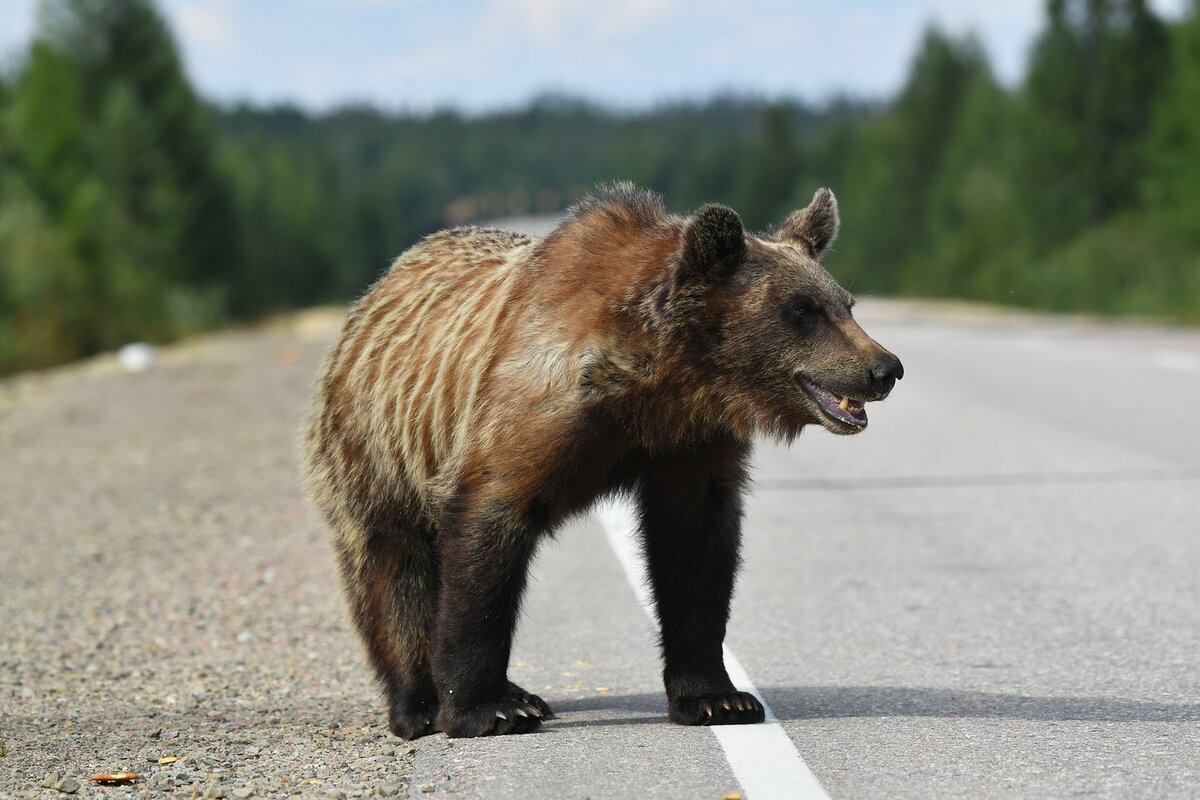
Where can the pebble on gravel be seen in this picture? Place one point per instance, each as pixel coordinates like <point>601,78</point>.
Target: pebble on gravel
<point>51,779</point>
<point>242,792</point>
<point>67,786</point>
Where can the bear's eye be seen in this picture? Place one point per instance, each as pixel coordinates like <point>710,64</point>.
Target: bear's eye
<point>800,310</point>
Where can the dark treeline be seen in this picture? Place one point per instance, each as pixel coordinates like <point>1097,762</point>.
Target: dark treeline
<point>132,209</point>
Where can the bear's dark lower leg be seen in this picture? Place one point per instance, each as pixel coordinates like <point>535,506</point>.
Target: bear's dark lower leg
<point>391,577</point>
<point>412,705</point>
<point>484,571</point>
<point>691,523</point>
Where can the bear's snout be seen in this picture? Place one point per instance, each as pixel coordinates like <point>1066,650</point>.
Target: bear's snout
<point>883,373</point>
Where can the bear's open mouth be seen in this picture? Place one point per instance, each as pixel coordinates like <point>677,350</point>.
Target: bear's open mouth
<point>845,410</point>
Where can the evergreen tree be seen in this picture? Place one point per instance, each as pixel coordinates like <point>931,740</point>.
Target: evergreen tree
<point>899,161</point>
<point>48,127</point>
<point>1093,80</point>
<point>976,244</point>
<point>124,47</point>
<point>769,172</point>
<point>43,294</point>
<point>1174,181</point>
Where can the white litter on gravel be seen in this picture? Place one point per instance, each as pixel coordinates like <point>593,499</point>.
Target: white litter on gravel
<point>136,356</point>
<point>762,757</point>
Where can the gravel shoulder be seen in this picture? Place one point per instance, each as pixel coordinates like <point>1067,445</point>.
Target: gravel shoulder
<point>167,592</point>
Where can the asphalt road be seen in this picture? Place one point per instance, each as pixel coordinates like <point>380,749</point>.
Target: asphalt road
<point>992,592</point>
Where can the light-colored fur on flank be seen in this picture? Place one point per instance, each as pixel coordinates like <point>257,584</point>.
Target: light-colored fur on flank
<point>400,391</point>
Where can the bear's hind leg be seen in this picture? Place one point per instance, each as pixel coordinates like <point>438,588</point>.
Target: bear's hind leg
<point>691,525</point>
<point>412,705</point>
<point>391,577</point>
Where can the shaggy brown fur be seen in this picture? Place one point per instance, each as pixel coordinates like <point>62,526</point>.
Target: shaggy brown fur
<point>490,385</point>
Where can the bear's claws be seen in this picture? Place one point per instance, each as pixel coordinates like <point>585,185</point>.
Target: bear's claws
<point>535,704</point>
<point>518,712</point>
<point>491,719</point>
<point>717,708</point>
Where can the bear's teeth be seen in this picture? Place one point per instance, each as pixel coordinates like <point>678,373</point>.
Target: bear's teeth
<point>845,404</point>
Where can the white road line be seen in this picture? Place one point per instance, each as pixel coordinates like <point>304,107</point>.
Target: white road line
<point>763,758</point>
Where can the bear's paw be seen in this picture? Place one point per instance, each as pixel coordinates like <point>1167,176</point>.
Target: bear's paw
<point>717,708</point>
<point>411,713</point>
<point>518,695</point>
<point>518,712</point>
<point>411,723</point>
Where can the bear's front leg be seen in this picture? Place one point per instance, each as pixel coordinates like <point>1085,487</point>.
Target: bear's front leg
<point>484,567</point>
<point>691,524</point>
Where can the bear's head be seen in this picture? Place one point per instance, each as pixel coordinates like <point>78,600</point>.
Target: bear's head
<point>773,330</point>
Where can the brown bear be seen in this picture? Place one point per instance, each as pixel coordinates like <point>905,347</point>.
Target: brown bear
<point>490,385</point>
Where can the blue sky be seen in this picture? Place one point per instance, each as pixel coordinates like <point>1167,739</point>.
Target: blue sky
<point>484,54</point>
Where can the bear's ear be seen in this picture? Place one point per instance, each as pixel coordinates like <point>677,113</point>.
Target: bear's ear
<point>816,226</point>
<point>714,242</point>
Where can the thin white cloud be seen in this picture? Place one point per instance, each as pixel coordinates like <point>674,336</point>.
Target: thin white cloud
<point>206,24</point>
<point>1170,8</point>
<point>627,16</point>
<point>557,23</point>
<point>360,4</point>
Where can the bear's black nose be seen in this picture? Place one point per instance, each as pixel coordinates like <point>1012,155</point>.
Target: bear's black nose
<point>884,372</point>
